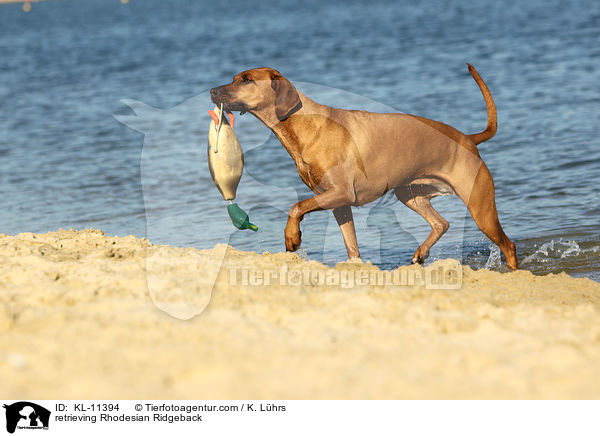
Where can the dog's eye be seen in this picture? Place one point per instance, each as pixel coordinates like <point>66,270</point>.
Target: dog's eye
<point>246,79</point>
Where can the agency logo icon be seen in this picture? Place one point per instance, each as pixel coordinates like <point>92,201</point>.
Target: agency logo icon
<point>26,415</point>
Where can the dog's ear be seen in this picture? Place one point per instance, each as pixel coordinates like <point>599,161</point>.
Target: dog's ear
<point>287,100</point>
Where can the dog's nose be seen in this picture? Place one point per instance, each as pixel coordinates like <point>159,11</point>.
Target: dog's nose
<point>214,94</point>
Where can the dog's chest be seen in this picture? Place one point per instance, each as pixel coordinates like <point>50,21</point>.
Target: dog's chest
<point>309,175</point>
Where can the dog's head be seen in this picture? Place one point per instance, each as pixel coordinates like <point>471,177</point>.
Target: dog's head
<point>259,91</point>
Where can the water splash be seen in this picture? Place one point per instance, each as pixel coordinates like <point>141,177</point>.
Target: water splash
<point>494,260</point>
<point>303,254</point>
<point>555,250</point>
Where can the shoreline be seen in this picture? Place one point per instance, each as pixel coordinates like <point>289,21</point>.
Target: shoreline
<point>84,315</point>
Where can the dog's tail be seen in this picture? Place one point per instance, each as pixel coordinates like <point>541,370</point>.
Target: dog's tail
<point>492,124</point>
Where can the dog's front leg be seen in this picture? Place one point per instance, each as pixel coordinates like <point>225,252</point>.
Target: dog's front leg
<point>343,216</point>
<point>330,199</point>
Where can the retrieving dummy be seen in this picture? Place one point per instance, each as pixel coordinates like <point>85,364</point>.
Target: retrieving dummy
<point>226,164</point>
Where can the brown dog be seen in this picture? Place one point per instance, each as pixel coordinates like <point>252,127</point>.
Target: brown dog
<point>350,158</point>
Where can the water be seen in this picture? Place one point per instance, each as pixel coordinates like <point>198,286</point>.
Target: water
<point>67,162</point>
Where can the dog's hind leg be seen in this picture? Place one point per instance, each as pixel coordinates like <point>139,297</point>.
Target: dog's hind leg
<point>422,205</point>
<point>479,196</point>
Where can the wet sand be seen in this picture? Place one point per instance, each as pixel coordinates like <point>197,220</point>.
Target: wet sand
<point>83,315</point>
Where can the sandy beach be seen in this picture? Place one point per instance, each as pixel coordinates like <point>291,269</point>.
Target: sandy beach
<point>80,317</point>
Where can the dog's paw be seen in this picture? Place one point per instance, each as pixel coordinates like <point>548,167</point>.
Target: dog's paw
<point>292,235</point>
<point>292,240</point>
<point>292,243</point>
<point>419,257</point>
<point>418,260</point>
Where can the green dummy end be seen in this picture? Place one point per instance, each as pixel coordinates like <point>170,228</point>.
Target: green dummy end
<point>239,218</point>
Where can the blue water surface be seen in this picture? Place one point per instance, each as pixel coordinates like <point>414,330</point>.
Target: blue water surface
<point>66,161</point>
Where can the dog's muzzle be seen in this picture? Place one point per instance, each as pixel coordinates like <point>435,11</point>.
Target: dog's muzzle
<point>219,95</point>
<point>216,95</point>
